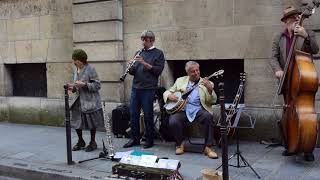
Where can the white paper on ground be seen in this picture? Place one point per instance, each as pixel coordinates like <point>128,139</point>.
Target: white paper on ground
<point>148,160</point>
<point>168,164</point>
<point>119,155</point>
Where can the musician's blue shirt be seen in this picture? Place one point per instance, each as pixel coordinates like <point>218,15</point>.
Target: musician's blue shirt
<point>193,102</point>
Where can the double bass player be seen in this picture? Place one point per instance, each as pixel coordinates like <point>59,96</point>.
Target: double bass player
<point>280,51</point>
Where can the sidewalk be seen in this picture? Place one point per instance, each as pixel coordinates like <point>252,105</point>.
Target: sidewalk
<point>39,152</point>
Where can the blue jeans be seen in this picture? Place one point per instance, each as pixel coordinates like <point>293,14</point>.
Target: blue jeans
<point>142,98</point>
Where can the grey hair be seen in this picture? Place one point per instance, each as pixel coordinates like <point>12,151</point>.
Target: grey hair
<point>191,63</point>
<point>148,34</point>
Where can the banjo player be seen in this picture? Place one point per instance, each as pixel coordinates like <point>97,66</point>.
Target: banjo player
<point>198,108</point>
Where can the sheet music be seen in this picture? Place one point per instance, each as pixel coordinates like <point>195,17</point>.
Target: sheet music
<point>168,164</point>
<point>119,155</point>
<point>148,160</point>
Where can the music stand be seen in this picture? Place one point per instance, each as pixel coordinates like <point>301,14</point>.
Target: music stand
<point>236,126</point>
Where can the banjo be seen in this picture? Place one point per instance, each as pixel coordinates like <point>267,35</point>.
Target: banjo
<point>176,106</point>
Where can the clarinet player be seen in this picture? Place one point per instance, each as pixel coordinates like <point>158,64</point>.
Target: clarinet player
<point>147,66</point>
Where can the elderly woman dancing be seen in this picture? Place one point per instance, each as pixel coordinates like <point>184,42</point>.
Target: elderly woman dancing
<point>86,109</point>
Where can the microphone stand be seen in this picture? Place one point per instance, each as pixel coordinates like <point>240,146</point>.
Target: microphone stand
<point>102,154</point>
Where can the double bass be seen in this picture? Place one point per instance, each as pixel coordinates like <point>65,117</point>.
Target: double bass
<point>299,85</point>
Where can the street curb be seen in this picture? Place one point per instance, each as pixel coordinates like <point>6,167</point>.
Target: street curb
<point>27,174</point>
<point>17,168</point>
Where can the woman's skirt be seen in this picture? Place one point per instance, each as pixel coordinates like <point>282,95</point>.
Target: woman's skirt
<point>87,121</point>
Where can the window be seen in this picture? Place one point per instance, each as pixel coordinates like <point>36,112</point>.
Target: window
<point>28,79</point>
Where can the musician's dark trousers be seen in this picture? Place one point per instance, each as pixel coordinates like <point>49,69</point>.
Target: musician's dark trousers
<point>142,98</point>
<point>179,121</point>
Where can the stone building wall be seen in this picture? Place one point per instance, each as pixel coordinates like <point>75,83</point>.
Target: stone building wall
<point>214,30</point>
<point>35,31</point>
<point>98,29</point>
<point>46,31</point>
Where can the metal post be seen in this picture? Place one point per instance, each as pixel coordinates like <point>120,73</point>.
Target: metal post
<point>68,126</point>
<point>223,130</point>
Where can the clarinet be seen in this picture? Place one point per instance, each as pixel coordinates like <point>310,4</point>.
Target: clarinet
<point>107,126</point>
<point>130,65</point>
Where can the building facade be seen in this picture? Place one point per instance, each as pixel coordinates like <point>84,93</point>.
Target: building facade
<point>235,35</point>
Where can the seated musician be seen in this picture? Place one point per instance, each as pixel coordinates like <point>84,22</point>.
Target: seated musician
<point>198,108</point>
<point>281,46</point>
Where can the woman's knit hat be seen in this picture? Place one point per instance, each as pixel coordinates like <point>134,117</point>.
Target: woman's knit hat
<point>79,54</point>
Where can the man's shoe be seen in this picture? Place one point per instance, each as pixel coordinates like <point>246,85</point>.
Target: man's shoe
<point>308,156</point>
<point>286,153</point>
<point>131,143</point>
<point>80,145</point>
<point>91,147</point>
<point>210,153</point>
<point>148,145</point>
<point>180,149</point>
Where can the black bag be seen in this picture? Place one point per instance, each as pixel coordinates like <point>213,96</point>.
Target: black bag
<point>120,121</point>
<point>164,129</point>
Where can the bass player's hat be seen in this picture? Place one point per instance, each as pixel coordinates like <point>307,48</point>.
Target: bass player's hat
<point>289,11</point>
